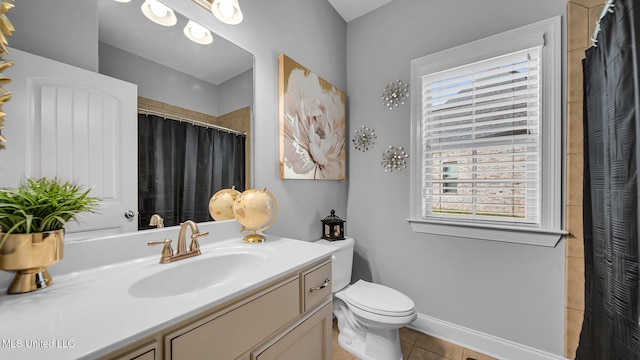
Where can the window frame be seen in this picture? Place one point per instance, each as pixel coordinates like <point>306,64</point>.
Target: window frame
<point>549,230</point>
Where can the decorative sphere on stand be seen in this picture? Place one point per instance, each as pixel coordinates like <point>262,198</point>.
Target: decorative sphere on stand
<point>255,210</point>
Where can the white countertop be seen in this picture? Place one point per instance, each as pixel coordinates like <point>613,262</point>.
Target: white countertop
<point>91,312</point>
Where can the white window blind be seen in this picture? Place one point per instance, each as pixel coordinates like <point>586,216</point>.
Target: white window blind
<point>481,140</point>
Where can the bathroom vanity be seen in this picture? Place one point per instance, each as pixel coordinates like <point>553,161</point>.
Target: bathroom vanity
<point>235,301</point>
<point>282,320</point>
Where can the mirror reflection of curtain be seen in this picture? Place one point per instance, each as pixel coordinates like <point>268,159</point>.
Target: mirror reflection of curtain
<point>611,328</point>
<point>180,166</point>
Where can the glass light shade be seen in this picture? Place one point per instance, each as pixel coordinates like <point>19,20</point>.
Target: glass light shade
<point>198,33</point>
<point>159,13</point>
<point>227,11</point>
<point>122,1</point>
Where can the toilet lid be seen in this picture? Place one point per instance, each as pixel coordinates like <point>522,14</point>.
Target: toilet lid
<point>379,299</point>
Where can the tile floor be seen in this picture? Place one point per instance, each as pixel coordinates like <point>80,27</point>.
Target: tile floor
<point>416,346</point>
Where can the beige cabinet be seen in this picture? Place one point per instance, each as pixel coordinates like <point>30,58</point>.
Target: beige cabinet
<point>230,334</point>
<point>309,339</point>
<point>289,318</point>
<point>146,352</point>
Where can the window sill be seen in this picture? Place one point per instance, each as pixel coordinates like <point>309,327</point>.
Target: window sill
<point>509,234</point>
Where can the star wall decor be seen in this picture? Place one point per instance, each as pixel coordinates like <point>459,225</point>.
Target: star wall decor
<point>394,159</point>
<point>364,138</point>
<point>395,94</point>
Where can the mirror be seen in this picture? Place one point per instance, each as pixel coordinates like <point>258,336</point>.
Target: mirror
<point>174,75</point>
<point>171,69</point>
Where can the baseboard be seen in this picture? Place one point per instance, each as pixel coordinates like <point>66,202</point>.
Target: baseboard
<point>483,343</point>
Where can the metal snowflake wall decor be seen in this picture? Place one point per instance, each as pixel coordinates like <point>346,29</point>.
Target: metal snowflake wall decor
<point>364,138</point>
<point>394,159</point>
<point>395,94</point>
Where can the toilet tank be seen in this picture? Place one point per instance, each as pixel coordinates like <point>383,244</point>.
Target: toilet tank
<point>342,261</point>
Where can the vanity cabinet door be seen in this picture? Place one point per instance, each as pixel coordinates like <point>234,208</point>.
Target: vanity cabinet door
<point>149,355</point>
<point>148,352</point>
<point>309,339</point>
<point>230,334</point>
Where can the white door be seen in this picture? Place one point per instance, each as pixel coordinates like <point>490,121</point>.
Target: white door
<point>77,125</point>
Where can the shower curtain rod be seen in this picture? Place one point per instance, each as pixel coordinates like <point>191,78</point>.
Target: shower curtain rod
<point>608,7</point>
<point>190,121</point>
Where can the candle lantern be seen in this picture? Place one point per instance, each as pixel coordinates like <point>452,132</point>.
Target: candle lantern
<point>333,227</point>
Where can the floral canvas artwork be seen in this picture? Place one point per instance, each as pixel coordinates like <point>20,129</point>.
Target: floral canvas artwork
<point>312,125</point>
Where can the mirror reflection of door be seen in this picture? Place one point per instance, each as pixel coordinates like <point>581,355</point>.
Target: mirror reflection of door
<point>76,128</point>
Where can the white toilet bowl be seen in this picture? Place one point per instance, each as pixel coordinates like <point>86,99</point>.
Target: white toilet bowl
<point>369,315</point>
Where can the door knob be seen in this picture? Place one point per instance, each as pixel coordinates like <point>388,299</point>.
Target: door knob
<point>129,214</point>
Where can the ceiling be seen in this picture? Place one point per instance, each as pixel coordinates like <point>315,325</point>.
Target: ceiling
<point>351,9</point>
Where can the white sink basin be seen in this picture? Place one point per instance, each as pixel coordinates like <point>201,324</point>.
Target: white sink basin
<point>196,274</point>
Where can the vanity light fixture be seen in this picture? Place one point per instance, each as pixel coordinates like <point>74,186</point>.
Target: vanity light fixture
<point>159,13</point>
<point>122,1</point>
<point>227,11</point>
<point>198,33</point>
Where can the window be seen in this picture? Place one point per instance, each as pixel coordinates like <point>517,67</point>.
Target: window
<point>483,117</point>
<point>487,138</point>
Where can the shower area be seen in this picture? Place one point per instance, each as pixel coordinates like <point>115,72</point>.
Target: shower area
<point>603,122</point>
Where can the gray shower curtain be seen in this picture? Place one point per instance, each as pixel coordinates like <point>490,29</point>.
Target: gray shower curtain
<point>611,329</point>
<point>180,166</point>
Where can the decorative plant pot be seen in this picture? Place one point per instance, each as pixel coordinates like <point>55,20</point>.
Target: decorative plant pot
<point>29,255</point>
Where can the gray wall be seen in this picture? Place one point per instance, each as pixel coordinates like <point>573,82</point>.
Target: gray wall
<point>515,292</point>
<point>236,93</point>
<point>59,40</point>
<point>158,82</point>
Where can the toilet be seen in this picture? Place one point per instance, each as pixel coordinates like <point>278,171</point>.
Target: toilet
<point>369,315</point>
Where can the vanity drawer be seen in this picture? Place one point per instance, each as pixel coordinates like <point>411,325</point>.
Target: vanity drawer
<point>230,334</point>
<point>316,285</point>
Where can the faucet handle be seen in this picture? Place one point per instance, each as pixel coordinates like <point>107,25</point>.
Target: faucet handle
<point>195,245</point>
<point>167,250</point>
<point>199,235</point>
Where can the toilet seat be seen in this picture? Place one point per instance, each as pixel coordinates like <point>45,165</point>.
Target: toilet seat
<point>378,300</point>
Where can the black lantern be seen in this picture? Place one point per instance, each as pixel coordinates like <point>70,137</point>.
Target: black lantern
<point>333,227</point>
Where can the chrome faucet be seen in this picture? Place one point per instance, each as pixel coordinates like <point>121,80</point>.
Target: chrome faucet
<point>157,221</point>
<point>181,251</point>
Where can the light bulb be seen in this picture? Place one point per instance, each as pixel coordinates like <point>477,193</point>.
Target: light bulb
<point>158,9</point>
<point>226,9</point>
<point>197,31</point>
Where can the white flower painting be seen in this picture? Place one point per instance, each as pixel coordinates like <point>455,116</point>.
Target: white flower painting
<point>312,125</point>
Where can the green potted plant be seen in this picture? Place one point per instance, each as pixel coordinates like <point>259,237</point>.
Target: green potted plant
<point>32,220</point>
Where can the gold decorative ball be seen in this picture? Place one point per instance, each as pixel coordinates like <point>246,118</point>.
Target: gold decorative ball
<point>221,204</point>
<point>255,209</point>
